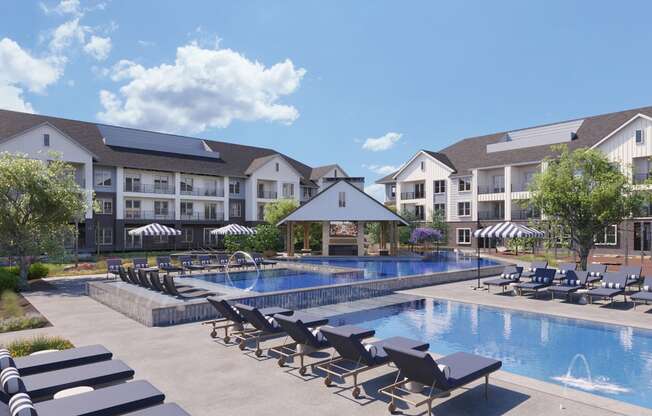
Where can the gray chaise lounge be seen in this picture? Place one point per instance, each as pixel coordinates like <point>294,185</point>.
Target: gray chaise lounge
<point>633,274</point>
<point>307,338</point>
<point>613,284</point>
<point>645,294</point>
<point>573,281</point>
<point>184,293</point>
<point>266,327</point>
<point>54,360</point>
<point>231,319</point>
<point>541,279</point>
<point>511,274</point>
<point>563,269</point>
<point>529,271</point>
<point>596,272</point>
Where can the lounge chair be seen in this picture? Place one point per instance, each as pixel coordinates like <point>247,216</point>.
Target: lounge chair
<point>563,269</point>
<point>307,338</point>
<point>112,266</point>
<point>140,263</point>
<point>43,386</point>
<point>529,271</point>
<point>260,260</point>
<point>613,284</point>
<point>633,274</point>
<point>596,272</point>
<point>122,273</point>
<point>266,327</point>
<point>439,377</point>
<point>645,294</point>
<point>541,279</point>
<point>187,264</point>
<point>133,276</point>
<point>164,263</point>
<point>239,260</point>
<point>184,293</point>
<point>108,401</point>
<point>572,282</point>
<point>207,263</point>
<point>55,360</point>
<point>231,319</point>
<point>223,262</point>
<point>166,409</point>
<point>144,278</point>
<point>156,284</point>
<point>356,357</point>
<point>511,274</point>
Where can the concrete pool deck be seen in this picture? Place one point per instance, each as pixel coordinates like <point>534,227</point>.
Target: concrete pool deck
<point>207,378</point>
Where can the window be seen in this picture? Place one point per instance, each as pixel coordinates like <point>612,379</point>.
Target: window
<point>528,177</point>
<point>392,191</point>
<point>639,136</point>
<point>419,190</point>
<point>464,184</point>
<point>186,210</point>
<point>210,239</point>
<point>261,212</point>
<point>439,209</point>
<point>46,140</point>
<point>211,188</point>
<point>277,166</point>
<point>235,210</point>
<point>306,193</point>
<point>463,235</point>
<point>440,187</point>
<point>464,209</point>
<point>102,177</point>
<point>132,241</point>
<point>186,184</point>
<point>187,235</point>
<point>161,182</point>
<point>234,187</point>
<point>210,212</point>
<point>132,209</point>
<point>419,212</point>
<point>160,239</point>
<point>288,190</point>
<point>105,206</point>
<point>608,236</point>
<point>104,236</point>
<point>132,182</point>
<point>342,200</point>
<point>423,166</point>
<point>161,208</point>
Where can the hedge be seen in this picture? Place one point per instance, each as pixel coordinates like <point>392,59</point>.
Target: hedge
<point>36,271</point>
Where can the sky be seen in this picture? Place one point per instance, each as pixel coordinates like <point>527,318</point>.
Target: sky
<point>364,84</point>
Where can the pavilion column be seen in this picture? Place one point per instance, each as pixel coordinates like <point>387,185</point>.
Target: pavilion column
<point>325,238</point>
<point>382,241</point>
<point>392,239</point>
<point>306,237</point>
<point>289,240</point>
<point>360,238</point>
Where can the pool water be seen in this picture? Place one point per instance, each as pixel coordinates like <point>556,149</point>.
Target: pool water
<point>606,360</point>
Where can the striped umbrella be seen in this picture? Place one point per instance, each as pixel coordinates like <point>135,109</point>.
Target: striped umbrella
<point>154,229</point>
<point>507,230</point>
<point>234,229</point>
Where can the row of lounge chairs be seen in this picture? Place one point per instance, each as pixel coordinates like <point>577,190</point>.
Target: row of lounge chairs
<point>353,352</point>
<point>566,281</point>
<point>76,382</point>
<point>151,279</point>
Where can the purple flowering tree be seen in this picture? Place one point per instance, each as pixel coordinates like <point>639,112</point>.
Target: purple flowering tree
<point>425,236</point>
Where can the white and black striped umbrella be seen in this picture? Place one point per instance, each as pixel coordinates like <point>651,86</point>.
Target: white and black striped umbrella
<point>154,229</point>
<point>507,230</point>
<point>234,229</point>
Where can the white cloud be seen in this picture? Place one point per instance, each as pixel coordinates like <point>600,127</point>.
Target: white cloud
<point>377,144</point>
<point>98,47</point>
<point>63,7</point>
<point>376,191</point>
<point>381,169</point>
<point>68,33</point>
<point>146,43</point>
<point>11,98</point>
<point>203,88</point>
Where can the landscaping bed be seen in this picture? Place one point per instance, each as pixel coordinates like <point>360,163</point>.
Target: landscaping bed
<point>16,313</point>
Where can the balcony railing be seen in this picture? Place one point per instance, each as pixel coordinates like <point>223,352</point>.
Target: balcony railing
<point>525,214</point>
<point>522,187</point>
<point>195,191</point>
<point>138,214</point>
<point>491,189</point>
<point>267,194</point>
<point>491,215</point>
<point>149,188</point>
<point>412,195</point>
<point>640,178</point>
<point>201,216</point>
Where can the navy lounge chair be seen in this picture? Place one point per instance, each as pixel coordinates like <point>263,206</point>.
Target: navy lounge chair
<point>54,360</point>
<point>613,284</point>
<point>165,264</point>
<point>122,273</point>
<point>541,279</point>
<point>563,269</point>
<point>112,266</point>
<point>167,409</point>
<point>307,338</point>
<point>260,260</point>
<point>572,282</point>
<point>133,276</point>
<point>223,262</point>
<point>140,263</point>
<point>266,327</point>
<point>459,369</point>
<point>143,278</point>
<point>187,264</point>
<point>357,357</point>
<point>645,294</point>
<point>231,319</point>
<point>529,271</point>
<point>186,292</point>
<point>596,272</point>
<point>206,262</point>
<point>511,274</point>
<point>633,274</point>
<point>156,284</point>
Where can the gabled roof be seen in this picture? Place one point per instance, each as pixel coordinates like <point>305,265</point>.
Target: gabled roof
<point>319,171</point>
<point>262,161</point>
<point>47,123</point>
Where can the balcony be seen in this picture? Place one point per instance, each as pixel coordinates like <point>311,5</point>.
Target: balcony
<point>412,195</point>
<point>491,215</point>
<point>201,216</point>
<point>642,178</point>
<point>525,214</point>
<point>491,189</point>
<point>148,188</point>
<point>195,191</point>
<point>267,194</point>
<point>137,214</point>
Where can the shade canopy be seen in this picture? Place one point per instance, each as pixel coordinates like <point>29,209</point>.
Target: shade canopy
<point>234,229</point>
<point>154,229</point>
<point>507,230</point>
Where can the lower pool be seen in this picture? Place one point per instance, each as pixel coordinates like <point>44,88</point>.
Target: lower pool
<point>606,360</point>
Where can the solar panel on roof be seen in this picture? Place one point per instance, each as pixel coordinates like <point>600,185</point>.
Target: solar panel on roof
<point>159,142</point>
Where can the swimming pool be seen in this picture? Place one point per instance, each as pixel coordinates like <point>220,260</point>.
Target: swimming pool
<point>606,360</point>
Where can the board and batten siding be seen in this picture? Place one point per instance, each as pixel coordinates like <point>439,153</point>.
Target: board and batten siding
<point>456,196</point>
<point>433,171</point>
<point>622,147</point>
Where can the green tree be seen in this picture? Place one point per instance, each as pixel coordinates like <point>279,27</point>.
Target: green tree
<point>267,237</point>
<point>438,222</point>
<point>276,211</point>
<point>585,193</point>
<point>404,233</point>
<point>39,201</point>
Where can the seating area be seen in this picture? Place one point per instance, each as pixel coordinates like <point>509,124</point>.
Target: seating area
<point>77,382</point>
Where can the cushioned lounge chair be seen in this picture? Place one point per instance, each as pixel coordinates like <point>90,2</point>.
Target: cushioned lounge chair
<point>307,338</point>
<point>439,377</point>
<point>143,278</point>
<point>529,271</point>
<point>140,263</point>
<point>133,276</point>
<point>563,269</point>
<point>572,282</point>
<point>167,409</point>
<point>645,294</point>
<point>613,284</point>
<point>164,264</point>
<point>231,319</point>
<point>207,263</point>
<point>260,260</point>
<point>187,293</point>
<point>356,357</point>
<point>633,274</point>
<point>55,360</point>
<point>541,279</point>
<point>511,274</point>
<point>187,264</point>
<point>109,401</point>
<point>156,284</point>
<point>122,273</point>
<point>596,272</point>
<point>223,262</point>
<point>266,327</point>
<point>112,266</point>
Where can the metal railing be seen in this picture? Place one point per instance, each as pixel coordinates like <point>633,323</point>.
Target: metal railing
<point>195,191</point>
<point>138,214</point>
<point>267,194</point>
<point>201,216</point>
<point>412,195</point>
<point>491,189</point>
<point>525,214</point>
<point>491,215</point>
<point>150,188</point>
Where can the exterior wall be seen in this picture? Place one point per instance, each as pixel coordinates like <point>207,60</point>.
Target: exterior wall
<point>457,196</point>
<point>622,147</point>
<point>267,172</point>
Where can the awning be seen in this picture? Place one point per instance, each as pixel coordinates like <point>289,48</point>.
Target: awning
<point>154,229</point>
<point>234,229</point>
<point>507,230</point>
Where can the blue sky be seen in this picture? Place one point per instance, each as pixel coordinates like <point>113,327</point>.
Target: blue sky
<point>317,79</point>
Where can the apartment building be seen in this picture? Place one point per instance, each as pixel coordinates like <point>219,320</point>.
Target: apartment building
<point>482,180</point>
<point>139,177</point>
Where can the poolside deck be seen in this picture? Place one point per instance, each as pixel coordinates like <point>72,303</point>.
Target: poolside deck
<point>208,379</point>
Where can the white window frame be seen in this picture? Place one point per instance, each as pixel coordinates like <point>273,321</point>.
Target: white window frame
<point>101,236</point>
<point>160,211</point>
<point>288,190</point>
<point>235,185</point>
<point>187,184</point>
<point>341,199</point>
<point>439,186</point>
<point>443,208</point>
<point>208,236</point>
<point>464,211</point>
<point>467,184</point>
<point>604,234</point>
<point>102,203</point>
<point>105,175</point>
<point>235,210</point>
<point>46,140</point>
<point>133,238</point>
<point>640,140</point>
<point>457,236</point>
<point>423,166</point>
<point>183,207</point>
<point>136,182</point>
<point>184,235</point>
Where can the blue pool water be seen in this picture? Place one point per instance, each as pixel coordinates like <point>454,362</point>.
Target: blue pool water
<point>619,358</point>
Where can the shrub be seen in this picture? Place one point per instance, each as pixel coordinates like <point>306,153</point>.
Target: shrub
<point>234,243</point>
<point>8,280</point>
<point>36,271</point>
<point>10,305</point>
<point>19,324</point>
<point>23,347</point>
<point>267,237</point>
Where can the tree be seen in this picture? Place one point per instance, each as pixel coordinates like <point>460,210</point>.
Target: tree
<point>405,233</point>
<point>276,211</point>
<point>584,193</point>
<point>39,201</point>
<point>438,222</point>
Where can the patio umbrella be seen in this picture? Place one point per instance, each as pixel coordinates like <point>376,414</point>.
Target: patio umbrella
<point>234,229</point>
<point>503,230</point>
<point>154,229</point>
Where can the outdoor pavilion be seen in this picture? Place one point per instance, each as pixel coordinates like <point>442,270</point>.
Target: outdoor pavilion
<point>345,203</point>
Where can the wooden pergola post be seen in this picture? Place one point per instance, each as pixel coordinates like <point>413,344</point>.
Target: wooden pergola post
<point>289,240</point>
<point>306,237</point>
<point>382,240</point>
<point>392,239</point>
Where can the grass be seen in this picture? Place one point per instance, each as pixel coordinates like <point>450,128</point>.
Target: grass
<point>23,347</point>
<point>13,316</point>
<point>99,267</point>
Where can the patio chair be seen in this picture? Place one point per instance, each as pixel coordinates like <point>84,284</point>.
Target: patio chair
<point>144,278</point>
<point>207,263</point>
<point>633,274</point>
<point>122,273</point>
<point>112,266</point>
<point>563,269</point>
<point>156,284</point>
<point>541,279</point>
<point>613,284</point>
<point>164,263</point>
<point>133,276</point>
<point>109,401</point>
<point>266,327</point>
<point>356,357</point>
<point>260,260</point>
<point>511,274</point>
<point>596,272</point>
<point>529,271</point>
<point>438,377</point>
<point>186,293</point>
<point>187,264</point>
<point>572,282</point>
<point>645,294</point>
<point>231,319</point>
<point>140,263</point>
<point>54,360</point>
<point>307,338</point>
<point>223,262</point>
<point>239,260</point>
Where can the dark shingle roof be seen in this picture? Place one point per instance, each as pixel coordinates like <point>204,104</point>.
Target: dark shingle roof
<point>319,171</point>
